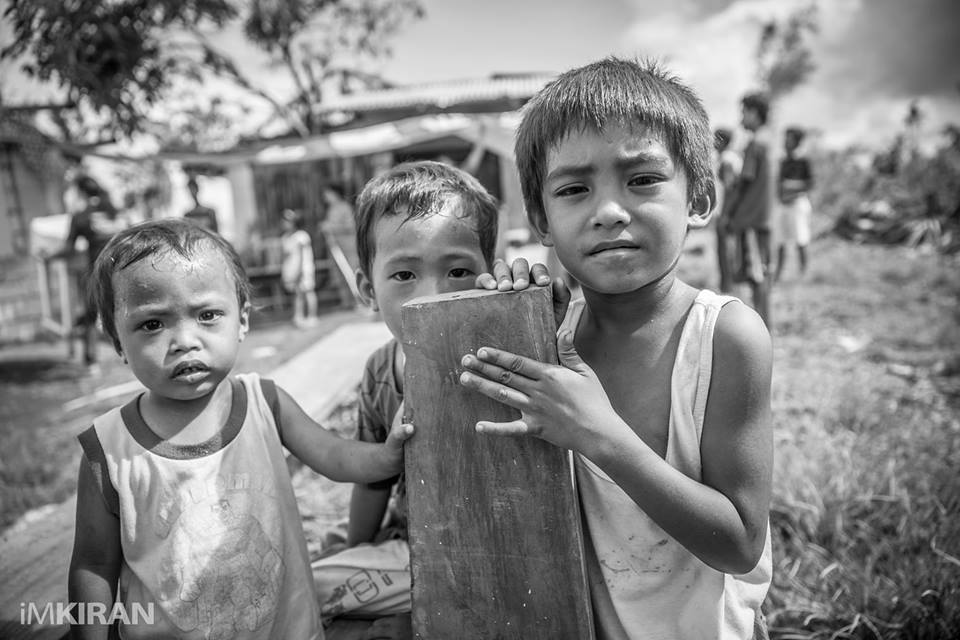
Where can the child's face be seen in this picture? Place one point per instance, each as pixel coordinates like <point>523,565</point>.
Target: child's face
<point>749,118</point>
<point>179,323</point>
<point>422,256</point>
<point>617,208</point>
<point>791,142</point>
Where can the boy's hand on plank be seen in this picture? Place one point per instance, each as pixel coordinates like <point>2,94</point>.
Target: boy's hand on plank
<point>565,405</point>
<point>400,432</point>
<point>514,277</point>
<point>519,275</point>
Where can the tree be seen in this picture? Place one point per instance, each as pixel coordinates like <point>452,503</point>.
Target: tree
<point>119,60</point>
<point>784,57</point>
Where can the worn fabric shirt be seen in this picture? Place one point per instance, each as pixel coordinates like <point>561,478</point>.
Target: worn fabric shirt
<point>210,533</point>
<point>795,178</point>
<point>96,224</point>
<point>381,394</point>
<point>754,198</point>
<point>645,585</point>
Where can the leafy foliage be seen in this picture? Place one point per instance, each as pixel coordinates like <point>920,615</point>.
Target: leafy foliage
<point>784,57</point>
<point>109,56</point>
<point>120,59</point>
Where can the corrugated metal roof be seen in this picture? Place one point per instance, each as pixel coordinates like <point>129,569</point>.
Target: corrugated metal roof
<point>442,94</point>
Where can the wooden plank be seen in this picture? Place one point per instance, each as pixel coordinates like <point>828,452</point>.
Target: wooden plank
<point>495,541</point>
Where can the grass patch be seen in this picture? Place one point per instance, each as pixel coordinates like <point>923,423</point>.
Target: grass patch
<point>866,510</point>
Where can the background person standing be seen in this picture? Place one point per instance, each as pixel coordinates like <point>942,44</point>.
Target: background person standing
<point>794,182</point>
<point>298,271</point>
<point>96,223</point>
<point>752,203</point>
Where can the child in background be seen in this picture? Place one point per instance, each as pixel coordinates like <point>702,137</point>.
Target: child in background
<point>663,391</point>
<point>423,228</point>
<point>298,273</point>
<point>184,502</point>
<point>793,187</point>
<point>752,203</point>
<point>727,167</point>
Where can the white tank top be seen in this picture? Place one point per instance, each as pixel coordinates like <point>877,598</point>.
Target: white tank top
<point>211,534</point>
<point>644,584</point>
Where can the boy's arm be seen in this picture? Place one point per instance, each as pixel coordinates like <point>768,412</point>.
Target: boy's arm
<point>337,458</point>
<point>97,556</point>
<point>721,520</point>
<point>368,505</point>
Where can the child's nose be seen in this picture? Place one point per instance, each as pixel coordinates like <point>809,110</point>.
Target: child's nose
<point>610,213</point>
<point>184,337</point>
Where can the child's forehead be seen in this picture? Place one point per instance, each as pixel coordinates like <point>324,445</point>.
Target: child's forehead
<point>451,226</point>
<point>617,127</point>
<point>167,269</point>
<point>577,141</point>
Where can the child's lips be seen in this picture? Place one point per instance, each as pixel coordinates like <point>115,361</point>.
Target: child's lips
<point>615,245</point>
<point>190,370</point>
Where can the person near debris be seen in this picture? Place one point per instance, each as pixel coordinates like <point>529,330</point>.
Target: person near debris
<point>794,181</point>
<point>752,204</point>
<point>727,166</point>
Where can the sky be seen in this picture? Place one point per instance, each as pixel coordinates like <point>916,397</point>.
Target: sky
<point>873,57</point>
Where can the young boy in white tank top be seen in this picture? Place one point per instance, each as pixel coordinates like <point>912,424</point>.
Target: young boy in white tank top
<point>663,391</point>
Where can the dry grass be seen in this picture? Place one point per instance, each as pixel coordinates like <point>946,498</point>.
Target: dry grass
<point>866,512</point>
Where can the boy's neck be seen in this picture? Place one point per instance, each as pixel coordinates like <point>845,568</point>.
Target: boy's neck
<point>628,312</point>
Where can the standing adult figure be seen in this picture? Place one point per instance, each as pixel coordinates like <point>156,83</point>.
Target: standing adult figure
<point>204,216</point>
<point>96,223</point>
<point>752,203</point>
<point>727,166</point>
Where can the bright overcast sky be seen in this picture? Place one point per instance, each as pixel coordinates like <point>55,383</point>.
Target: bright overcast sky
<point>873,56</point>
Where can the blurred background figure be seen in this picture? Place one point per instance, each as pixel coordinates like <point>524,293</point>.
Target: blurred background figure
<point>297,270</point>
<point>794,181</point>
<point>338,230</point>
<point>96,222</point>
<point>752,203</point>
<point>727,166</point>
<point>204,216</point>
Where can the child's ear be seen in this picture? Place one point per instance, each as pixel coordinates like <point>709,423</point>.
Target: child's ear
<point>244,322</point>
<point>542,228</point>
<point>365,288</point>
<point>700,208</point>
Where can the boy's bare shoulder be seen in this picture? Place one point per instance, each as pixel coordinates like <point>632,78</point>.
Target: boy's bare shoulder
<point>741,334</point>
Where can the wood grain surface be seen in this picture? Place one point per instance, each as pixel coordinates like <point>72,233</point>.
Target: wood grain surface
<point>495,542</point>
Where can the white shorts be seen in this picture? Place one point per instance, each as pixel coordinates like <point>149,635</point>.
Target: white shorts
<point>795,221</point>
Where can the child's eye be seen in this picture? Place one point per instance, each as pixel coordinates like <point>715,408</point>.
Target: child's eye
<point>211,315</point>
<point>461,272</point>
<point>644,180</point>
<point>570,190</point>
<point>151,325</point>
<point>403,276</point>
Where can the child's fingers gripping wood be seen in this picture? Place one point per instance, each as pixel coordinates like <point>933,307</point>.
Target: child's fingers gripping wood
<point>397,436</point>
<point>565,405</point>
<point>516,276</point>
